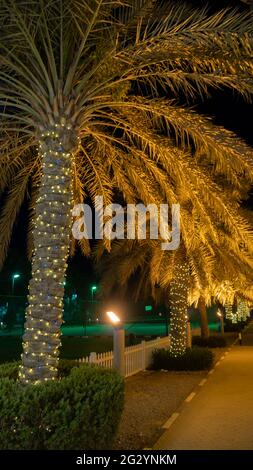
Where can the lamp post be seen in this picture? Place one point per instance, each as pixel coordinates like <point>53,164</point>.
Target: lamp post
<point>118,343</point>
<point>14,277</point>
<point>11,309</point>
<point>221,317</point>
<point>93,290</point>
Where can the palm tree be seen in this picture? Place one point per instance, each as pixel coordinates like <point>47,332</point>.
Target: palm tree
<point>81,114</point>
<point>203,317</point>
<point>202,270</point>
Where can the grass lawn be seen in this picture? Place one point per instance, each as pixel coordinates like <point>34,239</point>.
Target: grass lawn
<point>103,329</point>
<point>10,348</point>
<point>72,348</point>
<point>75,346</point>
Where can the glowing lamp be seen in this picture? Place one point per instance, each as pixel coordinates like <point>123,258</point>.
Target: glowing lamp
<point>113,317</point>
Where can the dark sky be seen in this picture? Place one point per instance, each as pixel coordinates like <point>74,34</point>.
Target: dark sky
<point>226,109</point>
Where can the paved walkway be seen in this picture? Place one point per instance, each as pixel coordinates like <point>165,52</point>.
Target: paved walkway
<point>220,415</point>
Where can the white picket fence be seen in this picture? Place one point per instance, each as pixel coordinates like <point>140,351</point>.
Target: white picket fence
<point>137,357</point>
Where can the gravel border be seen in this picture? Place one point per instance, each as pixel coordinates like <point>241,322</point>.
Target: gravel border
<point>150,399</point>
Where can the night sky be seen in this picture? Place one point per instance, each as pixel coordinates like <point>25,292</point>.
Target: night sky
<point>226,109</point>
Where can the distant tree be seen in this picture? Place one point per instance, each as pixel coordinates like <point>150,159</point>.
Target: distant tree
<point>200,271</point>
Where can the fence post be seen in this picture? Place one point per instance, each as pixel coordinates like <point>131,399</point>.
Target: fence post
<point>119,349</point>
<point>143,355</point>
<point>93,358</point>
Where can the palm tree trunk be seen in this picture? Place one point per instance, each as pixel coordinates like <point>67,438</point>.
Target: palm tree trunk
<point>178,299</point>
<point>203,318</point>
<point>52,227</point>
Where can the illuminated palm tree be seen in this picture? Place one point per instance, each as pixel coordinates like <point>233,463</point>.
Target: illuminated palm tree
<point>200,271</point>
<point>81,114</point>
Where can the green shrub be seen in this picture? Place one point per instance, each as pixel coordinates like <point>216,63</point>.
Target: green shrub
<point>215,341</point>
<point>80,411</point>
<point>10,369</point>
<point>66,365</point>
<point>193,359</point>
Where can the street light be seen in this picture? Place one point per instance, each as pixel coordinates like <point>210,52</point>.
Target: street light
<point>93,289</point>
<point>14,277</point>
<point>118,342</point>
<point>221,317</point>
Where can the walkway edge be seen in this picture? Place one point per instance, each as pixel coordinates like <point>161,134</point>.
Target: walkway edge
<point>173,417</point>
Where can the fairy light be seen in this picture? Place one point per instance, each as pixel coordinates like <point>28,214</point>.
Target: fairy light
<point>179,317</point>
<point>230,314</point>
<point>51,233</point>
<point>243,310</point>
<point>228,311</point>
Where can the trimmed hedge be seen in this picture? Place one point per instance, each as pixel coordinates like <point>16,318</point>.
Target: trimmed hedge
<point>234,327</point>
<point>80,411</point>
<point>194,359</point>
<point>211,342</point>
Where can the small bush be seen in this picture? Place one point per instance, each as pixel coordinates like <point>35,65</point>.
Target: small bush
<point>80,411</point>
<point>193,359</point>
<point>211,342</point>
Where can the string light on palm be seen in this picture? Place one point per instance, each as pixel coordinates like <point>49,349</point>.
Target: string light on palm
<point>228,311</point>
<point>243,311</point>
<point>179,317</point>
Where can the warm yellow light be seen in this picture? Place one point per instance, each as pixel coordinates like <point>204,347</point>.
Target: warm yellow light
<point>219,314</point>
<point>113,317</point>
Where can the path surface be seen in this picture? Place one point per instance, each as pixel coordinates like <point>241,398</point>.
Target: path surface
<point>220,415</point>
